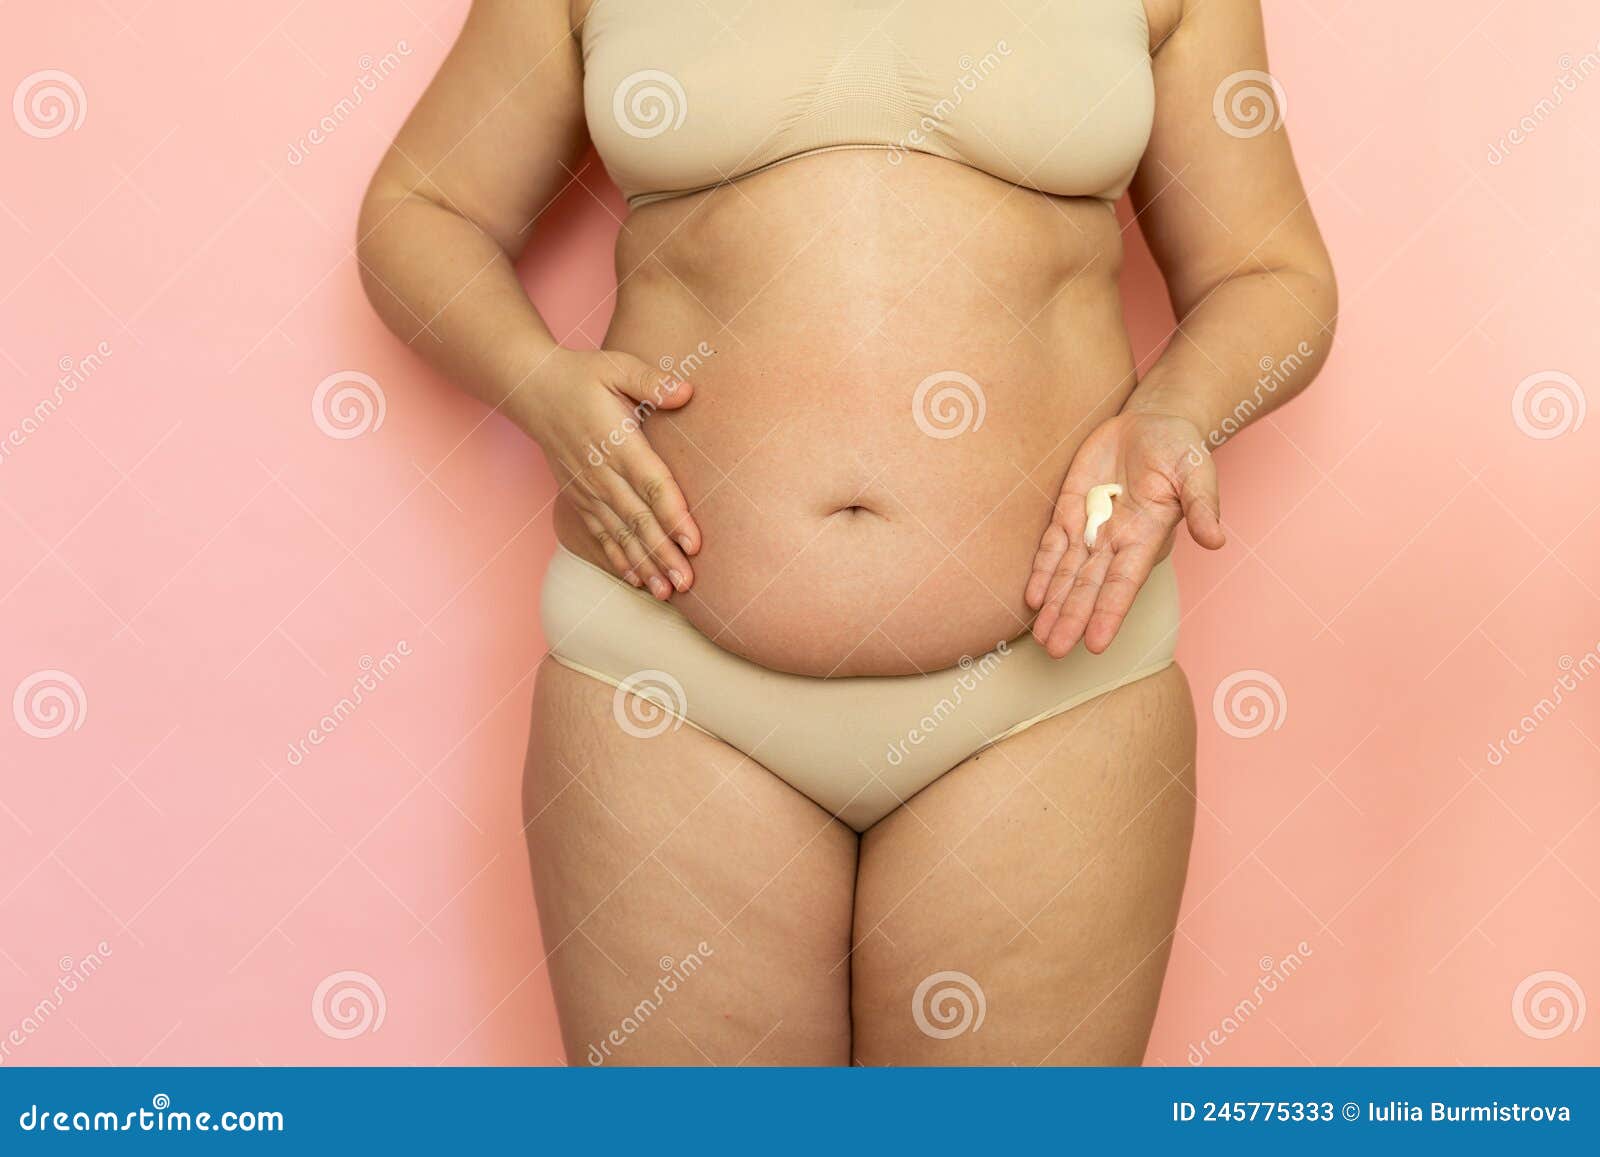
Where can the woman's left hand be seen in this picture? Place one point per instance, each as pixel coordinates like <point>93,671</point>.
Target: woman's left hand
<point>1166,477</point>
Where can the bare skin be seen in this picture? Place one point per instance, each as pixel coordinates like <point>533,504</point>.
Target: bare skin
<point>782,497</point>
<point>647,848</point>
<point>1048,868</point>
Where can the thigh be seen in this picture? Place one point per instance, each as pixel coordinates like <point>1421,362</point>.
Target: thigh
<point>695,909</point>
<point>1020,910</point>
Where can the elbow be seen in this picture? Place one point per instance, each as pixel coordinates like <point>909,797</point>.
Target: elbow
<point>376,206</point>
<point>1327,295</point>
<point>381,243</point>
<point>1309,293</point>
<point>1323,304</point>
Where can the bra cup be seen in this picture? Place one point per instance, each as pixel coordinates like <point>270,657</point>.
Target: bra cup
<point>683,95</point>
<point>1078,135</point>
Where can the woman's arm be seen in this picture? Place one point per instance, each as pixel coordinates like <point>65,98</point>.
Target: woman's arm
<point>453,202</point>
<point>1225,213</point>
<point>488,147</point>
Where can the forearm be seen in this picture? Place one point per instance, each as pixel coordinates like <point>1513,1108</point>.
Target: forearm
<point>1246,348</point>
<point>450,291</point>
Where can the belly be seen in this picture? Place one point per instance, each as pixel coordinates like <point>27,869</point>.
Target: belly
<point>892,366</point>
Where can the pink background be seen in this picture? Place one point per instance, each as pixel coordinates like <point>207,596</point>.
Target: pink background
<point>184,541</point>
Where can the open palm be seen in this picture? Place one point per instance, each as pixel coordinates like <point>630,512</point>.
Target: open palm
<point>1084,592</point>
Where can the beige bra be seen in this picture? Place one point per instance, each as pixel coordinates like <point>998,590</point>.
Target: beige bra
<point>684,95</point>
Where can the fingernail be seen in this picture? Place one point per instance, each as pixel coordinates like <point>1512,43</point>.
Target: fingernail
<point>632,578</point>
<point>683,541</point>
<point>677,579</point>
<point>659,587</point>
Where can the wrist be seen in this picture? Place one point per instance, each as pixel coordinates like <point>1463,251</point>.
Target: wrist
<point>1154,401</point>
<point>539,377</point>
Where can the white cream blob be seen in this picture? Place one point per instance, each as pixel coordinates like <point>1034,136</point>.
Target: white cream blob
<point>1097,505</point>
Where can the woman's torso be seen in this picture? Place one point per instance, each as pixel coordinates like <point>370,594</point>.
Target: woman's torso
<point>905,352</point>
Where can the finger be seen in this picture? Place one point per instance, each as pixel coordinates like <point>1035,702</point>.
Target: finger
<point>647,532</point>
<point>661,391</point>
<point>1060,585</point>
<point>1056,594</point>
<point>1052,559</point>
<point>1078,604</point>
<point>1202,506</point>
<point>1126,575</point>
<point>608,546</point>
<point>638,558</point>
<point>584,490</point>
<point>1052,546</point>
<point>653,482</point>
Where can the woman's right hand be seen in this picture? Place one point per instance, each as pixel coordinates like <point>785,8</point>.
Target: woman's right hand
<point>585,409</point>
